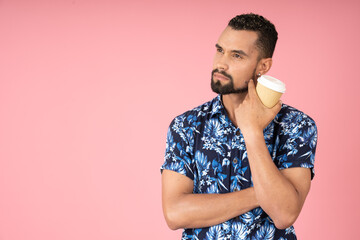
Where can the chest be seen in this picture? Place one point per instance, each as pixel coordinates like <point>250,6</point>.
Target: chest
<point>220,158</point>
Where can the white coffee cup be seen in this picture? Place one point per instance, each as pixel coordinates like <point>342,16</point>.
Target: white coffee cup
<point>269,90</point>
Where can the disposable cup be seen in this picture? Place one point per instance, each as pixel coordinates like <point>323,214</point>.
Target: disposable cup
<point>269,90</point>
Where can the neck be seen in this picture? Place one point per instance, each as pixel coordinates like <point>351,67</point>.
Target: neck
<point>231,102</point>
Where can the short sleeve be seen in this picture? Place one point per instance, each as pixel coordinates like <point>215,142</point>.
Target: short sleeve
<point>178,155</point>
<point>297,143</point>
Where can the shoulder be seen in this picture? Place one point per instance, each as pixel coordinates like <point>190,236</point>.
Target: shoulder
<point>289,114</point>
<point>294,122</point>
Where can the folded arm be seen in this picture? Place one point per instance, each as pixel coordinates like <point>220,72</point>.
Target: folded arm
<point>281,194</point>
<point>184,209</point>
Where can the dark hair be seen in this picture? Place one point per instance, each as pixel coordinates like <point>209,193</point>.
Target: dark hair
<point>267,34</point>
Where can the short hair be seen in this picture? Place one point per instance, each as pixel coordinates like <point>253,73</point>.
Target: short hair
<point>267,34</point>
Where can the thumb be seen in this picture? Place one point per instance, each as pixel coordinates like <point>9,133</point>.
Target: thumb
<point>251,87</point>
<point>278,106</point>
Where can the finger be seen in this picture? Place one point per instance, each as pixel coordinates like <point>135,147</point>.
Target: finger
<point>277,107</point>
<point>251,87</point>
<point>251,84</point>
<point>252,91</point>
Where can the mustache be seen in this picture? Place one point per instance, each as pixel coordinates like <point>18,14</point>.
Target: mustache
<point>221,72</point>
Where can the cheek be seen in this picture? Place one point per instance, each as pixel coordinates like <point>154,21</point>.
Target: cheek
<point>244,70</point>
<point>242,75</point>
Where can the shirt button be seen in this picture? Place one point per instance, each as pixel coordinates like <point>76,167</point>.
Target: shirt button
<point>235,160</point>
<point>237,132</point>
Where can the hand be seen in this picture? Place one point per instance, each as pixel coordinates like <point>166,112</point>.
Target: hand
<point>251,115</point>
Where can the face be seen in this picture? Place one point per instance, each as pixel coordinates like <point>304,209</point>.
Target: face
<point>235,61</point>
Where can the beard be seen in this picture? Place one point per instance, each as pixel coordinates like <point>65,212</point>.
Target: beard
<point>227,88</point>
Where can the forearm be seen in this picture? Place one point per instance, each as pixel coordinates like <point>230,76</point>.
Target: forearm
<point>203,210</point>
<point>275,194</point>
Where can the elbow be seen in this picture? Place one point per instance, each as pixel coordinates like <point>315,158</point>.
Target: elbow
<point>285,221</point>
<point>172,219</point>
<point>172,224</point>
<point>284,216</point>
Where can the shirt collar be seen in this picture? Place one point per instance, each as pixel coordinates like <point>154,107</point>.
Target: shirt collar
<point>217,106</point>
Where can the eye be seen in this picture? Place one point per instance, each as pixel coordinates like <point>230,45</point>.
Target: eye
<point>219,50</point>
<point>236,55</point>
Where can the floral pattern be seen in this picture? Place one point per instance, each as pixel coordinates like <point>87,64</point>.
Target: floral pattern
<point>205,146</point>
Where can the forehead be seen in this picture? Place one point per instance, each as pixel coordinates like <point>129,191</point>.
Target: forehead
<point>245,40</point>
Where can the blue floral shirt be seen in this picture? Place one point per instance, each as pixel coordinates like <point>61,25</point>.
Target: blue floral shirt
<point>205,146</point>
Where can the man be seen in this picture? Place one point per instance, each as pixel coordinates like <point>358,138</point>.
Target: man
<point>235,169</point>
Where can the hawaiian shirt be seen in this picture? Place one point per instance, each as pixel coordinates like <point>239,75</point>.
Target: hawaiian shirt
<point>204,145</point>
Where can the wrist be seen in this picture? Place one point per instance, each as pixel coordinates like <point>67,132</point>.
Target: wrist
<point>251,133</point>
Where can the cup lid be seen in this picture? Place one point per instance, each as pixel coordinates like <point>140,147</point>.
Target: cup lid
<point>272,83</point>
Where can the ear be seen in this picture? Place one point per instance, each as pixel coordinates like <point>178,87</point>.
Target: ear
<point>263,66</point>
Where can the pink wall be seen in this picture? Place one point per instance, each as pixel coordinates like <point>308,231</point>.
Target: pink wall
<point>88,89</point>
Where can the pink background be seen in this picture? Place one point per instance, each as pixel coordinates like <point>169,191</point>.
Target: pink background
<point>88,89</point>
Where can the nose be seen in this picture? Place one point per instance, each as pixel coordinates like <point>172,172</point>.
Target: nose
<point>221,64</point>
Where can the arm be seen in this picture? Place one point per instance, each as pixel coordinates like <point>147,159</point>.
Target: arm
<point>280,194</point>
<point>183,209</point>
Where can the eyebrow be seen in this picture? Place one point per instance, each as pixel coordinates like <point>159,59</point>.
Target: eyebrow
<point>241,52</point>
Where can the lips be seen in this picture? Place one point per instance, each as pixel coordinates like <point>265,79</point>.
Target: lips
<point>221,77</point>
